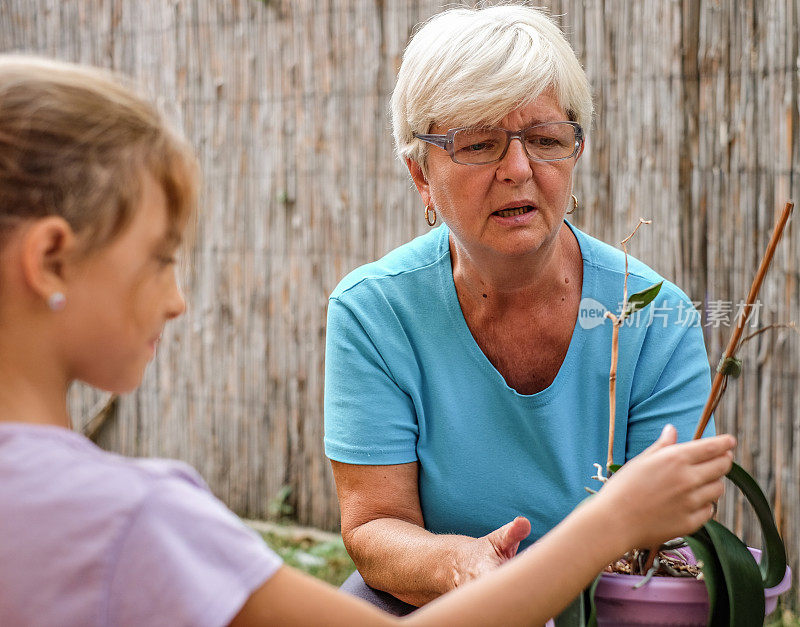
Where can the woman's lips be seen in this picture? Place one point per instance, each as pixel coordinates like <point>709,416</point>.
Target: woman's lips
<point>513,211</point>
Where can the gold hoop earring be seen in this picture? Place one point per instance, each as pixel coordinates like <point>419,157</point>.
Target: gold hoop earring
<point>428,212</point>
<point>575,205</point>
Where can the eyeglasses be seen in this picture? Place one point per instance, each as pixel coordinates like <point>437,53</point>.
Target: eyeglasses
<point>551,141</point>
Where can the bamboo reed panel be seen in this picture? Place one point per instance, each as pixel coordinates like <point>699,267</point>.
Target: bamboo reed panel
<point>286,101</point>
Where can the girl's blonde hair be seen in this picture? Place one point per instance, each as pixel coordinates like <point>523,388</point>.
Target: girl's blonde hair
<point>75,142</point>
<point>471,67</point>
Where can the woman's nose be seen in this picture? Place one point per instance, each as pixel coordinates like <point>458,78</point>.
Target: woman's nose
<point>515,166</point>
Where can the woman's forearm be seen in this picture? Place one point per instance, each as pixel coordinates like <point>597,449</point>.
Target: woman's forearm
<point>383,530</point>
<point>423,565</point>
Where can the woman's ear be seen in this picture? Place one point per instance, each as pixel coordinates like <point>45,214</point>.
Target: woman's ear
<point>420,180</point>
<point>580,150</point>
<point>47,246</point>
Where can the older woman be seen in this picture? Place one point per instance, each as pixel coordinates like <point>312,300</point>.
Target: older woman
<point>465,398</point>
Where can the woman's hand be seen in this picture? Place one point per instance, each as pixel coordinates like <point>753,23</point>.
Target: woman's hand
<point>476,556</point>
<point>669,489</point>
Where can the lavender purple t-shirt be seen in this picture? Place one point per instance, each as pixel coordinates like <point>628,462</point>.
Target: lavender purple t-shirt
<point>91,538</point>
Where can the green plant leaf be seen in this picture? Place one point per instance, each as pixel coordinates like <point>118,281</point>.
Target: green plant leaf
<point>742,577</point>
<point>592,620</point>
<point>613,468</point>
<point>773,555</point>
<point>713,577</point>
<point>642,299</point>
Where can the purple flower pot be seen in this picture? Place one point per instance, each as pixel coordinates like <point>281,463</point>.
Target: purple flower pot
<point>663,600</point>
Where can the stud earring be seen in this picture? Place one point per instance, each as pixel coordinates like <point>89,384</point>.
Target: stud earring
<point>429,210</point>
<point>575,205</point>
<point>57,301</point>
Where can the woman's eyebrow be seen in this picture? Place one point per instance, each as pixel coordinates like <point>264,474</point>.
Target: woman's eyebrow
<point>545,120</point>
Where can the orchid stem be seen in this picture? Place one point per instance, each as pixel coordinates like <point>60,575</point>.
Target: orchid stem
<point>616,322</point>
<point>717,387</point>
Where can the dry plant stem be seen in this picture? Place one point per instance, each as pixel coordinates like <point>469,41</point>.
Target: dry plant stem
<point>625,250</point>
<point>612,375</point>
<point>612,391</point>
<point>730,351</point>
<point>789,325</point>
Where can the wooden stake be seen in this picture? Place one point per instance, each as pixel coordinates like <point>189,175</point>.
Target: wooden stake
<point>719,378</point>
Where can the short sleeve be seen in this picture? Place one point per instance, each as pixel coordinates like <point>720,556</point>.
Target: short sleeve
<point>674,391</point>
<point>185,559</point>
<point>369,418</point>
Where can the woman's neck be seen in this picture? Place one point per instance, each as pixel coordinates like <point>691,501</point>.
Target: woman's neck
<point>530,279</point>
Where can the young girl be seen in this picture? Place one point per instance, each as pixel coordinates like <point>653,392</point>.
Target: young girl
<point>95,192</point>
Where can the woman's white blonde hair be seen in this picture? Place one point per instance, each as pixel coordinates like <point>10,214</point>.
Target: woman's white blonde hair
<point>470,67</point>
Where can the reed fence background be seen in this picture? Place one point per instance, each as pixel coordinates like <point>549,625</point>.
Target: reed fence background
<point>286,102</point>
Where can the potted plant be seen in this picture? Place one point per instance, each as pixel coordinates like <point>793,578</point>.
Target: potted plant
<point>711,577</point>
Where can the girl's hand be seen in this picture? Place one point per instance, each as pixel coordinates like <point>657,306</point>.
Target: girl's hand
<point>669,489</point>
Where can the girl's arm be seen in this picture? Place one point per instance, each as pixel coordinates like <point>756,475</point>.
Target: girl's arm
<point>665,492</point>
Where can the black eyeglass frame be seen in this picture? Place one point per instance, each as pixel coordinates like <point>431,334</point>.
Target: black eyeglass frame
<point>446,141</point>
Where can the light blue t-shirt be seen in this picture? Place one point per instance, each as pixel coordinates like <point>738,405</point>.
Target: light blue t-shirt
<point>405,381</point>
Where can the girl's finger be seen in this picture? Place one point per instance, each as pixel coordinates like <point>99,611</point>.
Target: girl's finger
<point>698,451</point>
<point>712,469</point>
<point>706,494</point>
